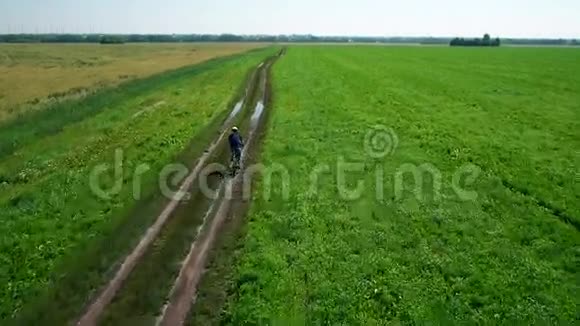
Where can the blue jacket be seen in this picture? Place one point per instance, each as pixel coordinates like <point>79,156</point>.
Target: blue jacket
<point>236,142</point>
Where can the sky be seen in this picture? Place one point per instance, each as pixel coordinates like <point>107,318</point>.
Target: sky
<point>503,18</point>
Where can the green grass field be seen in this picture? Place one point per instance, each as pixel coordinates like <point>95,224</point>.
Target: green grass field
<point>59,239</point>
<point>511,253</point>
<point>466,160</point>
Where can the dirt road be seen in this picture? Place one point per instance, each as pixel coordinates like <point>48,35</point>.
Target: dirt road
<point>232,205</point>
<point>211,212</point>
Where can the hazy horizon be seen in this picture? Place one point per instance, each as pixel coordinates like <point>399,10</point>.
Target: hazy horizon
<point>414,18</point>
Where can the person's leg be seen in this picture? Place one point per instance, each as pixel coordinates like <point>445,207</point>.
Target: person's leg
<point>232,159</point>
<point>237,157</point>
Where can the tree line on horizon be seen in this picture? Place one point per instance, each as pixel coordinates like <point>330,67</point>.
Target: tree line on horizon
<point>192,38</point>
<point>176,38</point>
<point>485,41</point>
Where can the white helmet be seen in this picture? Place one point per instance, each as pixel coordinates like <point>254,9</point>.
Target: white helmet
<point>235,129</point>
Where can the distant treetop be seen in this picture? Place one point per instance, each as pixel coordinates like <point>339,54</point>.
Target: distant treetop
<point>485,41</point>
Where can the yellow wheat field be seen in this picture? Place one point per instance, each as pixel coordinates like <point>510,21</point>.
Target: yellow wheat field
<point>31,74</point>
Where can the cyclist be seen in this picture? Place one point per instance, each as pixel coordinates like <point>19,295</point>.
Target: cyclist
<point>236,146</point>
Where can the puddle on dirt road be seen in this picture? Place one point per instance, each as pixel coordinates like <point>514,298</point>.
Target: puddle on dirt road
<point>235,111</point>
<point>257,114</point>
